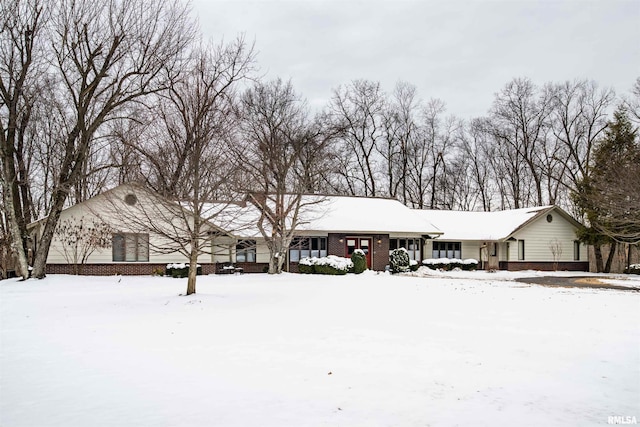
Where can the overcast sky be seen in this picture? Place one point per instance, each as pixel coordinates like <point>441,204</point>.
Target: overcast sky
<point>461,51</point>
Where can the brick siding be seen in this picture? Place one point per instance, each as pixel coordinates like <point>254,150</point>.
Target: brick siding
<point>380,252</point>
<point>142,269</point>
<point>380,255</point>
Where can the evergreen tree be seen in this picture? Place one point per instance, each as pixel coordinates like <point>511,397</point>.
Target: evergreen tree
<point>610,195</point>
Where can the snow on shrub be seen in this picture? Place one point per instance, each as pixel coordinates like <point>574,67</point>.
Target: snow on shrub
<point>359,260</point>
<point>449,264</point>
<point>633,269</point>
<point>181,269</point>
<point>399,261</point>
<point>326,265</point>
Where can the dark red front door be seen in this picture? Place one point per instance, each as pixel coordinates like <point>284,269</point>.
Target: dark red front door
<point>363,243</point>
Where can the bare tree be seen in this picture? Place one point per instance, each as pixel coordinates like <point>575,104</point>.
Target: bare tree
<point>428,154</point>
<point>519,122</point>
<point>578,118</point>
<point>22,26</point>
<point>555,246</point>
<point>632,103</point>
<point>476,146</point>
<point>187,159</point>
<point>357,109</point>
<point>108,54</point>
<point>400,129</point>
<point>80,238</point>
<point>276,130</point>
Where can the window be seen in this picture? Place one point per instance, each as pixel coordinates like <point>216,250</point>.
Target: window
<point>246,251</point>
<point>302,247</point>
<point>576,250</point>
<point>493,246</point>
<point>447,250</point>
<point>413,246</point>
<point>130,247</point>
<point>521,250</point>
<point>351,246</point>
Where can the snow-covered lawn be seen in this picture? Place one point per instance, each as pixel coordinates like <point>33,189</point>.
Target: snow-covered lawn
<point>300,350</point>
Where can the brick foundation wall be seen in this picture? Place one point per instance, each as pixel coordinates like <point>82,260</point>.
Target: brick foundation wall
<point>141,269</point>
<point>544,266</point>
<point>253,267</point>
<point>293,267</point>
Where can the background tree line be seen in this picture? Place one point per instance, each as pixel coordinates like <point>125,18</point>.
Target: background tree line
<point>95,93</point>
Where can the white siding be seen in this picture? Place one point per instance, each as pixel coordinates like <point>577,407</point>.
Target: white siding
<point>223,249</point>
<point>539,237</point>
<point>427,249</point>
<point>503,251</point>
<point>471,249</point>
<point>262,251</point>
<point>110,208</point>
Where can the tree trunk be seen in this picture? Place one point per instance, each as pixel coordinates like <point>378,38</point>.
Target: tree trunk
<point>273,264</point>
<point>14,232</point>
<point>597,251</point>
<point>612,252</point>
<point>193,271</point>
<point>40,260</point>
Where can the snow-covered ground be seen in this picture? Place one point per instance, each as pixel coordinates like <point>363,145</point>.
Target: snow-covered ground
<point>301,350</point>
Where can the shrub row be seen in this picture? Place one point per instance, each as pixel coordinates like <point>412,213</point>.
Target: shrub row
<point>448,264</point>
<point>633,269</point>
<point>332,265</point>
<point>180,270</point>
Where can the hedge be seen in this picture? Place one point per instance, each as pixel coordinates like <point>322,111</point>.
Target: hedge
<point>181,270</point>
<point>633,269</point>
<point>448,264</point>
<point>332,265</point>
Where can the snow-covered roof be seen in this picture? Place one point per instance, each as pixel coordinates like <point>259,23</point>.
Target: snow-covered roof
<point>332,214</point>
<point>363,215</point>
<point>344,214</point>
<point>497,225</point>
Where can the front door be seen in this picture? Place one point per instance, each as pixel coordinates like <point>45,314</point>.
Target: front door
<point>363,243</point>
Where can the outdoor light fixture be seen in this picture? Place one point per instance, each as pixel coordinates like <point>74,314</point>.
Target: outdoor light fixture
<point>379,241</point>
<point>341,240</point>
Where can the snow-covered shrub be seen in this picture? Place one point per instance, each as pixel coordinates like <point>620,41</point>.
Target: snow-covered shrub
<point>305,268</point>
<point>359,261</point>
<point>180,270</point>
<point>331,264</point>
<point>449,264</point>
<point>633,269</point>
<point>470,264</point>
<point>399,261</point>
<point>413,265</point>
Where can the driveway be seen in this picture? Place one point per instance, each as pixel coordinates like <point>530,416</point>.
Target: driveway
<point>575,282</point>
